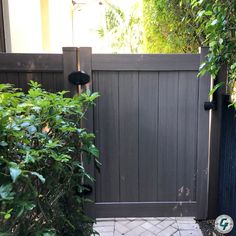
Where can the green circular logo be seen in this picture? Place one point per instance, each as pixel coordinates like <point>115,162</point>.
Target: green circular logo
<point>224,224</point>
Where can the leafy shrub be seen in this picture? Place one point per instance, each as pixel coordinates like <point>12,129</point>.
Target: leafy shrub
<point>41,143</point>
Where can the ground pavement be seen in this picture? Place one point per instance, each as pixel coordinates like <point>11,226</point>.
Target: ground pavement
<point>161,226</point>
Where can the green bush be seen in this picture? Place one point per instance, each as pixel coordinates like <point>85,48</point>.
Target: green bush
<point>41,174</point>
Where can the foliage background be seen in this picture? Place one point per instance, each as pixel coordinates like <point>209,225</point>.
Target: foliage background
<point>170,27</point>
<point>41,175</point>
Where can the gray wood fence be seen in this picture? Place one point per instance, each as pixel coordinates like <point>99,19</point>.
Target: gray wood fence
<point>19,69</point>
<point>152,132</point>
<point>150,125</point>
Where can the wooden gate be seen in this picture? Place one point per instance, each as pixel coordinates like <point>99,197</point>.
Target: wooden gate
<point>150,125</point>
<point>153,135</point>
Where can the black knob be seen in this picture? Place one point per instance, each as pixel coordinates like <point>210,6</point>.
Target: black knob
<point>78,78</point>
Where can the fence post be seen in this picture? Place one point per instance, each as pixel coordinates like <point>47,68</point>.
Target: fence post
<point>80,59</point>
<point>85,65</point>
<point>203,142</point>
<point>215,139</point>
<point>70,64</point>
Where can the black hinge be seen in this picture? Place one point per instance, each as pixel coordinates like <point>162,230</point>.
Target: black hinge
<point>210,105</point>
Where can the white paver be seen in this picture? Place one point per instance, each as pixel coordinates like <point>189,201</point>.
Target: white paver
<point>152,226</point>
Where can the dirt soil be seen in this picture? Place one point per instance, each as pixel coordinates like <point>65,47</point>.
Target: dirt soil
<point>208,228</point>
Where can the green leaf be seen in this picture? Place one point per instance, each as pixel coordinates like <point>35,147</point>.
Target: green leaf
<point>29,158</point>
<point>3,144</point>
<point>7,216</point>
<point>42,179</point>
<point>208,13</point>
<point>214,22</point>
<point>31,129</point>
<point>5,234</point>
<point>94,151</point>
<point>15,173</point>
<point>29,206</point>
<point>61,157</point>
<point>221,40</point>
<point>217,86</point>
<point>49,234</point>
<point>6,192</point>
<point>200,13</point>
<point>25,124</point>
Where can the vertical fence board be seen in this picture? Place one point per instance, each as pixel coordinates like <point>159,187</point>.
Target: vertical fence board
<point>187,135</point>
<point>96,119</point>
<point>48,82</point>
<point>148,103</point>
<point>3,78</point>
<point>70,64</point>
<point>25,78</point>
<point>108,133</point>
<point>203,143</point>
<point>13,78</point>
<point>128,118</point>
<point>59,81</point>
<point>167,136</point>
<point>215,145</point>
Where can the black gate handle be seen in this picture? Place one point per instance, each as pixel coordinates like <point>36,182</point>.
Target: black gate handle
<point>210,105</point>
<point>78,78</point>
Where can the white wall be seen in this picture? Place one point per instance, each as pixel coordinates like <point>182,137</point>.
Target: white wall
<point>35,28</point>
<point>87,20</point>
<point>25,25</point>
<point>60,17</point>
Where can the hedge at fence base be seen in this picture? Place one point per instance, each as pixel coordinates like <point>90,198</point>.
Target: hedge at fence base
<point>41,142</point>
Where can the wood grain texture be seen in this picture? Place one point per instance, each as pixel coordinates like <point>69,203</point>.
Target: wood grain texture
<point>25,78</point>
<point>187,135</point>
<point>167,136</point>
<point>128,123</point>
<point>48,81</point>
<point>17,62</point>
<point>142,209</point>
<point>203,144</point>
<point>13,78</point>
<point>148,114</point>
<point>150,125</point>
<point>145,62</point>
<point>3,77</point>
<point>58,77</point>
<point>107,130</point>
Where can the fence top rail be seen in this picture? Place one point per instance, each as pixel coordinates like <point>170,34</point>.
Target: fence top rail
<point>18,62</point>
<point>145,62</point>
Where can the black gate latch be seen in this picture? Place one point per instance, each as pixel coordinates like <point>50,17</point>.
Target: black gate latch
<point>78,78</point>
<point>210,105</point>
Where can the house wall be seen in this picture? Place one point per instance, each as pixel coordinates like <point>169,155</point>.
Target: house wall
<point>39,25</point>
<point>60,24</point>
<point>25,25</point>
<point>2,36</point>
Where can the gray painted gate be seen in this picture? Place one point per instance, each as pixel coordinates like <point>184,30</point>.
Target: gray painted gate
<point>152,132</point>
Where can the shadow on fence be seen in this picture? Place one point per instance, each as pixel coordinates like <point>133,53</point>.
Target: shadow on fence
<point>227,178</point>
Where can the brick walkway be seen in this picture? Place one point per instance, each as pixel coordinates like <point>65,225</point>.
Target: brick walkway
<point>161,226</point>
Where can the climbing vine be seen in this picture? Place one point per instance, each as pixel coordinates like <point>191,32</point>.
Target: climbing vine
<point>218,22</point>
